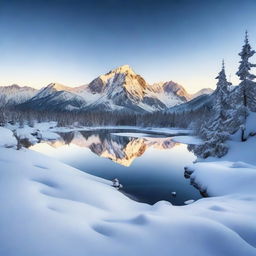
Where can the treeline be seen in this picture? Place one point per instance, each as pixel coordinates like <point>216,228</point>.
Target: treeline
<point>181,119</point>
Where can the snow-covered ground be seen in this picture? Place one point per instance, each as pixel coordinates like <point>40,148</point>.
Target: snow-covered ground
<point>38,131</point>
<point>49,208</point>
<point>194,140</point>
<point>7,139</point>
<point>49,130</point>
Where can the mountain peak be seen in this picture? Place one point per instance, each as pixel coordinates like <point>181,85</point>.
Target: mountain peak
<point>57,87</point>
<point>123,69</point>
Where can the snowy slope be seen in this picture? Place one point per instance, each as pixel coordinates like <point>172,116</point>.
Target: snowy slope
<point>205,100</point>
<point>55,97</point>
<point>202,92</point>
<point>48,208</point>
<point>51,89</point>
<point>14,94</point>
<point>7,138</point>
<point>169,93</point>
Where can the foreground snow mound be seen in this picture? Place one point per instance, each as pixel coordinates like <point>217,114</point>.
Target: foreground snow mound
<point>39,131</point>
<point>6,138</point>
<point>223,178</point>
<point>48,208</point>
<point>233,173</point>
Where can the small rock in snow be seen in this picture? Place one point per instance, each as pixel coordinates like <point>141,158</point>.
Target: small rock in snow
<point>189,201</point>
<point>174,194</point>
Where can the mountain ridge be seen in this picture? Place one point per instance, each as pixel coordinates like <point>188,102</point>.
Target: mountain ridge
<point>121,89</point>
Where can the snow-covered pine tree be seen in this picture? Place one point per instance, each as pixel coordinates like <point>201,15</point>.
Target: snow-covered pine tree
<point>245,66</point>
<point>217,120</point>
<point>222,84</point>
<point>213,130</point>
<point>247,88</point>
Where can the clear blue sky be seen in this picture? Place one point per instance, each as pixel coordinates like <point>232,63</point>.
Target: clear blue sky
<point>72,42</point>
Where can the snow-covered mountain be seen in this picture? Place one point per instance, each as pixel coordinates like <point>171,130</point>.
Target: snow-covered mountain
<point>204,100</point>
<point>121,89</point>
<point>55,97</point>
<point>14,94</point>
<point>169,93</point>
<point>202,92</point>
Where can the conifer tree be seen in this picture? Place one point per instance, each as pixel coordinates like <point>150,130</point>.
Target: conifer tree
<point>244,68</point>
<point>222,84</point>
<point>217,121</point>
<point>247,86</point>
<point>213,130</point>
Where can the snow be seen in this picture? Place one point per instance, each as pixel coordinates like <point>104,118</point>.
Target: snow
<point>189,201</point>
<point>231,180</point>
<point>52,88</point>
<point>6,138</point>
<point>187,140</point>
<point>49,208</point>
<point>125,69</point>
<point>169,93</point>
<point>15,94</point>
<point>223,177</point>
<point>42,129</point>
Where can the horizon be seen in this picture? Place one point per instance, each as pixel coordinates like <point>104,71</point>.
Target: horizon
<point>73,86</point>
<point>73,42</point>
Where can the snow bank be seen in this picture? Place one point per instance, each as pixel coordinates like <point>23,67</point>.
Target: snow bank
<point>188,140</point>
<point>233,173</point>
<point>49,208</point>
<point>48,135</point>
<point>40,131</point>
<point>6,138</point>
<point>223,178</point>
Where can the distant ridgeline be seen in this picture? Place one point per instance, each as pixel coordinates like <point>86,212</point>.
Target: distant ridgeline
<point>231,106</point>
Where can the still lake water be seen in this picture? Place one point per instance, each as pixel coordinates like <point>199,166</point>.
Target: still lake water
<point>149,166</point>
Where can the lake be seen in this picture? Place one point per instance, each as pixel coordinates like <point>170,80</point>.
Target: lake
<point>150,166</point>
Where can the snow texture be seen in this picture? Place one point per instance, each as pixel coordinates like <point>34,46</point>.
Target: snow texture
<point>6,138</point>
<point>188,140</point>
<point>49,208</point>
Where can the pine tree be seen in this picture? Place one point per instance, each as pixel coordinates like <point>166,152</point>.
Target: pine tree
<point>247,86</point>
<point>216,124</point>
<point>222,84</point>
<point>245,66</point>
<point>213,130</point>
<point>244,69</point>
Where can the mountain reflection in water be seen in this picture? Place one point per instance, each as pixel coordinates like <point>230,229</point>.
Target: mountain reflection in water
<point>155,162</point>
<point>120,149</point>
